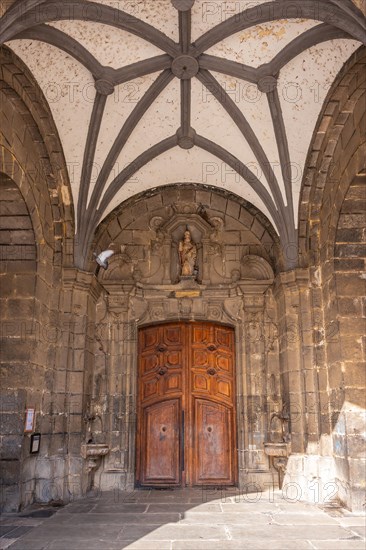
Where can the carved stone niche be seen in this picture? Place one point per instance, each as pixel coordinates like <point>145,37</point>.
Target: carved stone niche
<point>173,231</point>
<point>256,278</point>
<point>256,268</point>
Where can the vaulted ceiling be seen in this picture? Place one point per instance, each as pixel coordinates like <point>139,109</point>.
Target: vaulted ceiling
<point>150,92</point>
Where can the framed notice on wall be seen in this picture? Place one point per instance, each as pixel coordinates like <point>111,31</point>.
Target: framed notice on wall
<point>35,443</point>
<point>30,415</point>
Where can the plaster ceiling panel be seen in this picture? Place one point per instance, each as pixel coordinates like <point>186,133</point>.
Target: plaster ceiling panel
<point>254,106</point>
<point>158,13</point>
<point>303,86</point>
<point>259,44</point>
<point>206,15</point>
<point>192,165</point>
<point>69,90</point>
<point>210,120</point>
<point>110,46</point>
<point>160,121</point>
<point>119,106</point>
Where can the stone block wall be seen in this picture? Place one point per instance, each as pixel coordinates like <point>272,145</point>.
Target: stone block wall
<point>19,377</point>
<point>331,246</point>
<point>34,226</point>
<point>348,374</point>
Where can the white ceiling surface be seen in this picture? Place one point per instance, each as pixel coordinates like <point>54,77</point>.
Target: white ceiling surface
<point>160,121</point>
<point>69,90</point>
<point>178,165</point>
<point>110,46</point>
<point>68,86</point>
<point>119,106</point>
<point>158,13</point>
<point>222,129</point>
<point>260,43</point>
<point>303,86</point>
<point>206,15</point>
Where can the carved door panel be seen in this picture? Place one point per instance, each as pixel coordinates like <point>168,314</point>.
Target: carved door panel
<point>186,421</point>
<point>161,432</point>
<point>161,401</point>
<point>212,395</point>
<point>213,436</point>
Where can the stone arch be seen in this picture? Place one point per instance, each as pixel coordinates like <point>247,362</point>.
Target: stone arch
<point>33,170</point>
<point>33,157</point>
<point>336,164</point>
<point>240,253</point>
<point>335,157</point>
<point>200,198</point>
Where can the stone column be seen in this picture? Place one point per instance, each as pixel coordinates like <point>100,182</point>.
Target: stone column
<point>288,299</point>
<point>81,291</point>
<point>120,418</point>
<point>256,418</point>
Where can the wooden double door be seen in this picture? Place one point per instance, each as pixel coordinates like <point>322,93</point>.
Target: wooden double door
<point>186,433</point>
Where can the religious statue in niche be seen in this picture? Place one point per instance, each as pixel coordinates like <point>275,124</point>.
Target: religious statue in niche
<point>188,255</point>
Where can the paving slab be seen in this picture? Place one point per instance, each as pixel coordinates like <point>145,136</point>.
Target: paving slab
<point>148,545</point>
<point>353,521</point>
<point>174,532</point>
<point>359,530</point>
<point>116,519</point>
<point>194,520</point>
<point>287,532</point>
<point>338,545</point>
<point>284,518</point>
<point>238,545</point>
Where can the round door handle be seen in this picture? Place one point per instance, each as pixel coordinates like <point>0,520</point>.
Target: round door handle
<point>161,348</point>
<point>162,371</point>
<point>211,371</point>
<point>211,348</point>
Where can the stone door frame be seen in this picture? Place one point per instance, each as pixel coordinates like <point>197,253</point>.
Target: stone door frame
<point>139,306</point>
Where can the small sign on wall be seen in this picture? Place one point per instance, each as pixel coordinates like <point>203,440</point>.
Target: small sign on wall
<point>35,443</point>
<point>30,415</point>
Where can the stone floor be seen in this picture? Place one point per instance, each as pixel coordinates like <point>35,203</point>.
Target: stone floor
<point>190,519</point>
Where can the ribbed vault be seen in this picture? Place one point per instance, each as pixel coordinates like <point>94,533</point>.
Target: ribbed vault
<point>151,93</point>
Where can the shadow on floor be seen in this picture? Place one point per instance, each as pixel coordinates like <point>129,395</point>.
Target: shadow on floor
<point>187,519</point>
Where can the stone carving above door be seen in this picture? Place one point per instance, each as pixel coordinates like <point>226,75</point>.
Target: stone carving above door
<point>149,234</point>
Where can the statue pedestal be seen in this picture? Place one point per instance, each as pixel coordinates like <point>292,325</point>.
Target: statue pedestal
<point>188,281</point>
<point>187,287</point>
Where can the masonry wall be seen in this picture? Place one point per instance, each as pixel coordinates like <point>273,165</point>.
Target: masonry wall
<point>19,378</point>
<point>34,227</point>
<point>330,246</point>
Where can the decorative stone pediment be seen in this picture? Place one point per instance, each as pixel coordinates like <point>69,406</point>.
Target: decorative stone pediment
<point>120,267</point>
<point>199,227</point>
<point>256,268</point>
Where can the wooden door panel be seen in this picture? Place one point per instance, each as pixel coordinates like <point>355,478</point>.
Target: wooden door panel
<point>150,389</point>
<point>186,368</point>
<point>161,434</point>
<point>201,334</point>
<point>224,362</point>
<point>173,335</point>
<point>213,442</point>
<point>224,338</point>
<point>172,383</point>
<point>223,390</point>
<point>149,337</point>
<point>149,362</point>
